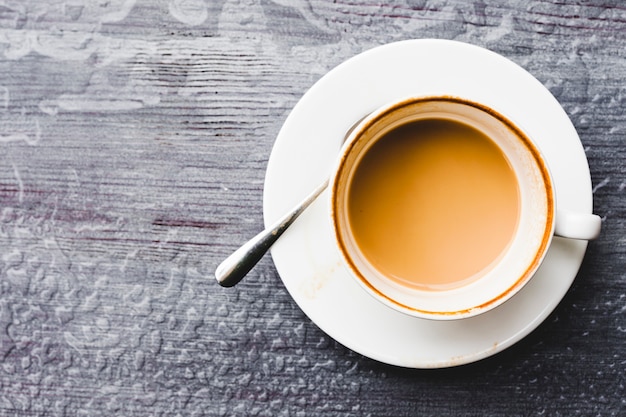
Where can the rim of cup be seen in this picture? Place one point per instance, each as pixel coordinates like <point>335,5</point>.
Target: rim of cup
<point>508,273</point>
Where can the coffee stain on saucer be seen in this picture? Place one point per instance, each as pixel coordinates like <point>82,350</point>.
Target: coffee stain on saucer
<point>311,287</point>
<point>455,361</point>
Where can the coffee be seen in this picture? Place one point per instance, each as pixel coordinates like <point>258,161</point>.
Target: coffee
<point>433,203</point>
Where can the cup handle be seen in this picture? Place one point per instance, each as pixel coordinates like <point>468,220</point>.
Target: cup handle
<point>575,225</point>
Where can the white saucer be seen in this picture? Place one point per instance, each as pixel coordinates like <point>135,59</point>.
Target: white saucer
<point>306,148</point>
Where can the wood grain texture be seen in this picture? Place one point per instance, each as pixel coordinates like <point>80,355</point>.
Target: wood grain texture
<point>134,137</point>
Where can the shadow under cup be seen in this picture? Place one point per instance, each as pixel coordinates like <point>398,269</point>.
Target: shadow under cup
<point>442,208</point>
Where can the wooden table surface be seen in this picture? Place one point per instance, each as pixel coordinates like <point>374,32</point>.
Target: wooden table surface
<point>134,138</point>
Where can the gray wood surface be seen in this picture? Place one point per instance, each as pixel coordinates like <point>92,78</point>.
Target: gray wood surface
<point>134,137</point>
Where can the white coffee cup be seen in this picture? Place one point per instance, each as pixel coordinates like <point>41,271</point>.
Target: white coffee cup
<point>538,217</point>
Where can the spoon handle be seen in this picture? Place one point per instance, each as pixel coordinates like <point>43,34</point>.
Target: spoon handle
<point>239,263</point>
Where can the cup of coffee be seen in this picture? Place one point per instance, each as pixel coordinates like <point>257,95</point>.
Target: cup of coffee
<point>443,208</point>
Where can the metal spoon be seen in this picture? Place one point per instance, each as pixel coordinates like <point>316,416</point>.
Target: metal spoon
<point>239,263</point>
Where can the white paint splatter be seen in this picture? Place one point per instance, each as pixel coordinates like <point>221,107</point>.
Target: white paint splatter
<point>304,8</point>
<point>20,184</point>
<point>602,183</point>
<point>65,46</point>
<point>189,12</point>
<point>23,137</point>
<point>119,15</point>
<point>85,105</point>
<point>234,17</point>
<point>4,98</point>
<point>505,28</point>
<point>17,43</point>
<point>100,96</point>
